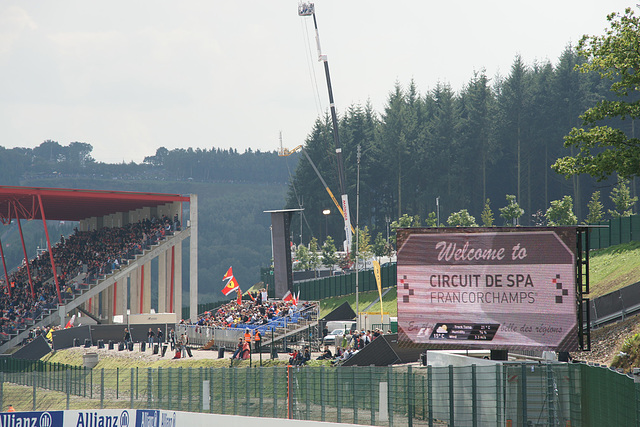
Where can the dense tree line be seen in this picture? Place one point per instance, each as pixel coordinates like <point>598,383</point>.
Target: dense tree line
<point>496,136</point>
<point>51,158</point>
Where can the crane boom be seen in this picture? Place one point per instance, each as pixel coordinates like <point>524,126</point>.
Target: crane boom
<point>308,9</point>
<point>286,152</point>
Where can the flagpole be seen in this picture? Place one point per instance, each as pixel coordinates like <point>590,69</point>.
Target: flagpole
<point>357,239</point>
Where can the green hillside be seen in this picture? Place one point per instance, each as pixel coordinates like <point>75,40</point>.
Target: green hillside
<point>613,268</point>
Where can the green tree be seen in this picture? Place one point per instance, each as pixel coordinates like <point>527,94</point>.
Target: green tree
<point>329,255</point>
<point>604,150</point>
<point>487,214</point>
<point>381,247</point>
<point>314,255</point>
<point>405,221</point>
<point>561,212</point>
<point>302,256</point>
<point>596,207</point>
<point>365,249</point>
<point>621,197</point>
<point>512,211</point>
<point>432,220</point>
<point>461,219</point>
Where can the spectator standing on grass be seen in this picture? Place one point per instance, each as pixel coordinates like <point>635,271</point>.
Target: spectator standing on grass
<point>150,336</point>
<point>127,337</point>
<point>11,409</point>
<point>160,336</point>
<point>172,339</point>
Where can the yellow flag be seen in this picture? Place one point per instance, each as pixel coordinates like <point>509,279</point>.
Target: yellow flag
<point>376,272</point>
<point>50,334</point>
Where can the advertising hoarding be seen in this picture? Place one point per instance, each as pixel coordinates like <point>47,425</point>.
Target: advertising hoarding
<point>487,288</point>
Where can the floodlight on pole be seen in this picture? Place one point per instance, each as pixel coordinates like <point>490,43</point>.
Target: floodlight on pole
<point>326,214</point>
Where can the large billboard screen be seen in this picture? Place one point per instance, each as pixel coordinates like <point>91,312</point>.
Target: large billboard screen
<point>487,288</point>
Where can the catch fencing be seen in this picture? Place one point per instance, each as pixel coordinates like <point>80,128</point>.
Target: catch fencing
<point>510,394</point>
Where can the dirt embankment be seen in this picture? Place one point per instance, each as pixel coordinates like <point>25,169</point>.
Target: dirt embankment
<point>607,340</point>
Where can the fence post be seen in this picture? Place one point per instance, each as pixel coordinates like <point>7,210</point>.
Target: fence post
<point>149,388</point>
<point>353,396</point>
<point>131,390</point>
<point>430,394</point>
<point>322,383</point>
<point>409,392</point>
<point>474,397</point>
<point>189,371</point>
<point>524,394</point>
<point>451,398</point>
<point>372,392</point>
<point>102,388</point>
<point>1,389</point>
<point>68,386</point>
<point>247,390</point>
<point>159,394</point>
<point>390,393</point>
<point>117,383</point>
<point>338,395</point>
<point>261,379</point>
<point>275,392</point>
<point>201,387</point>
<point>34,391</point>
<point>180,388</point>
<point>222,388</point>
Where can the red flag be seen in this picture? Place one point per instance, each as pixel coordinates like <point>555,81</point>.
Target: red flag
<point>288,296</point>
<point>232,285</point>
<point>251,296</point>
<point>228,274</point>
<point>239,301</point>
<point>70,322</point>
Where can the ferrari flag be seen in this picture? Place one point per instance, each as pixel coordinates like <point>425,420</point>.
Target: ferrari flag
<point>232,283</point>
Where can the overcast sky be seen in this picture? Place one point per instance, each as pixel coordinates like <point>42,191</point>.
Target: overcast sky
<point>128,77</point>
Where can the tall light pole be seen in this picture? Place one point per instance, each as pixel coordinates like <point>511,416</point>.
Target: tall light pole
<point>357,238</point>
<point>438,210</point>
<point>326,214</point>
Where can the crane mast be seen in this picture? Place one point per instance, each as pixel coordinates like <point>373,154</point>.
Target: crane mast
<point>308,9</point>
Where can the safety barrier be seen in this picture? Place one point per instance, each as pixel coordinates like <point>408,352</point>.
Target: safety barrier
<point>498,395</point>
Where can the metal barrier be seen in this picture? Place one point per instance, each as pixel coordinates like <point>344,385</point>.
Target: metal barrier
<point>517,394</point>
<point>228,337</point>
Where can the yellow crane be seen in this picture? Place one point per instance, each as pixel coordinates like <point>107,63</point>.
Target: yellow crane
<point>283,152</point>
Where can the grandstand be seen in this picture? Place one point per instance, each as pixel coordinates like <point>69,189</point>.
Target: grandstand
<point>104,268</point>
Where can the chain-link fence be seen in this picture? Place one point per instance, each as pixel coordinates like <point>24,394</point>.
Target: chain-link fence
<point>512,394</point>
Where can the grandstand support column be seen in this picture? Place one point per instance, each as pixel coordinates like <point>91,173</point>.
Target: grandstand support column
<point>6,275</point>
<point>146,288</point>
<point>134,286</point>
<point>62,312</point>
<point>120,297</point>
<point>53,264</point>
<point>24,250</point>
<point>105,303</point>
<point>162,281</point>
<point>193,260</point>
<point>110,303</point>
<point>175,304</point>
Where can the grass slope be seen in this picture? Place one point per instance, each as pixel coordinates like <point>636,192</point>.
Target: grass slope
<point>389,302</point>
<point>613,268</point>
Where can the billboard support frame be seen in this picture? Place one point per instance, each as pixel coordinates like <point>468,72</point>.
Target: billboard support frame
<point>582,288</point>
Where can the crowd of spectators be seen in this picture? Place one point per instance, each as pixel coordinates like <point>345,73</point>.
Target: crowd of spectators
<point>251,313</point>
<point>80,260</point>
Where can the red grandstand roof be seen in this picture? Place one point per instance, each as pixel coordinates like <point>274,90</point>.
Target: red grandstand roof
<point>74,205</point>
